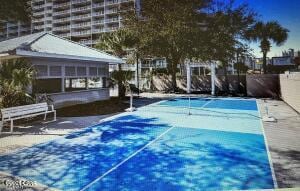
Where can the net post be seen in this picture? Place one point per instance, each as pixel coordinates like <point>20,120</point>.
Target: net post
<point>131,108</point>
<point>189,105</point>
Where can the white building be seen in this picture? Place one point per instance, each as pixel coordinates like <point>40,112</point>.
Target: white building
<point>78,20</point>
<point>69,72</point>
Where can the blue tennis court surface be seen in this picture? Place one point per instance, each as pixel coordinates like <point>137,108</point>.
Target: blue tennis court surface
<point>220,146</point>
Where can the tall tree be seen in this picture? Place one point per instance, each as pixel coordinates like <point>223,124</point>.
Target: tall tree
<point>16,10</point>
<point>168,29</point>
<point>265,34</point>
<point>226,29</point>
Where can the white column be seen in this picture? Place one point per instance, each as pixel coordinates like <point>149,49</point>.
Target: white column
<point>63,78</point>
<point>213,77</point>
<point>136,74</point>
<point>188,78</point>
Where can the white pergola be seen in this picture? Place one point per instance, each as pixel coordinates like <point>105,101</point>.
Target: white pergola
<point>193,64</point>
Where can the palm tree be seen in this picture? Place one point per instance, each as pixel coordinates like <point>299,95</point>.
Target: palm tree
<point>267,33</point>
<point>117,43</point>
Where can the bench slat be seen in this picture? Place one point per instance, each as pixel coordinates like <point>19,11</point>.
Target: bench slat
<point>24,107</point>
<point>19,111</point>
<point>12,115</point>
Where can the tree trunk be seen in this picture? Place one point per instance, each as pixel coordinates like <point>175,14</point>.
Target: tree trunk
<point>120,85</point>
<point>264,62</point>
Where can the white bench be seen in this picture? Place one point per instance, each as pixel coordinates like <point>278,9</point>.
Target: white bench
<point>26,111</point>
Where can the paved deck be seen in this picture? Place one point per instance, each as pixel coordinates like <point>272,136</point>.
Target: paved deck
<point>283,138</point>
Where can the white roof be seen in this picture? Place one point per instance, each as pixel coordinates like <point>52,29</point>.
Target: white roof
<point>52,46</point>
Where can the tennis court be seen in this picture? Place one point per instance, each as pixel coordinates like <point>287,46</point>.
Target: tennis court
<point>178,144</point>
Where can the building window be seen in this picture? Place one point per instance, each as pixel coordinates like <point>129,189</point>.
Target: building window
<point>93,71</point>
<point>102,71</point>
<point>70,71</point>
<point>75,84</point>
<point>95,83</point>
<point>42,70</point>
<point>55,70</point>
<point>81,71</point>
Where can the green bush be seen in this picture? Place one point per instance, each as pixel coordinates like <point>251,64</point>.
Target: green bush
<point>15,77</point>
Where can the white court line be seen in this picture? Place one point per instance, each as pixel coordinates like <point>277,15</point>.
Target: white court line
<point>267,147</point>
<point>125,160</point>
<point>206,103</point>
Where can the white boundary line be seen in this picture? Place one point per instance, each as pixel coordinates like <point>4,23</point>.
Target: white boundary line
<point>224,98</point>
<point>126,159</point>
<point>267,147</point>
<point>207,103</point>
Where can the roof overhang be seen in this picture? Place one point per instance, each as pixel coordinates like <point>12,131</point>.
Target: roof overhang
<point>26,53</point>
<point>8,56</point>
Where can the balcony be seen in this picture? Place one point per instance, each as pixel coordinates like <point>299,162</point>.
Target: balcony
<point>12,24</point>
<point>38,20</point>
<point>80,1</point>
<point>61,20</point>
<point>37,1</point>
<point>49,11</point>
<point>112,11</point>
<point>98,22</point>
<point>38,13</point>
<point>24,29</point>
<point>81,33</point>
<point>81,9</point>
<point>48,25</point>
<point>114,2</point>
<point>79,17</point>
<point>97,14</point>
<point>112,20</point>
<point>97,5</point>
<point>101,30</point>
<point>61,5</point>
<point>64,34</point>
<point>49,4</point>
<point>38,27</point>
<point>37,7</point>
<point>110,29</point>
<point>126,1</point>
<point>86,42</point>
<point>81,25</point>
<point>61,13</point>
<point>62,28</point>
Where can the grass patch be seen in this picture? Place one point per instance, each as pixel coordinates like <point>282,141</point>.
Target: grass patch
<point>114,105</point>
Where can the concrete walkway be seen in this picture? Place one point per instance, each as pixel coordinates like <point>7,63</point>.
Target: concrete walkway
<point>283,138</point>
<point>43,131</point>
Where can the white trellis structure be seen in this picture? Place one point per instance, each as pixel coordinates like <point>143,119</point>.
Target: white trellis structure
<point>193,64</point>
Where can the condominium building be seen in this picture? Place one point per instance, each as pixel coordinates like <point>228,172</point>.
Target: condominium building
<point>79,20</point>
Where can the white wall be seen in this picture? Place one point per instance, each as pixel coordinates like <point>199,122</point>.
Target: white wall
<point>80,97</point>
<point>290,89</point>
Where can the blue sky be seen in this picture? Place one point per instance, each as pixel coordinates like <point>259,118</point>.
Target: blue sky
<point>287,13</point>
